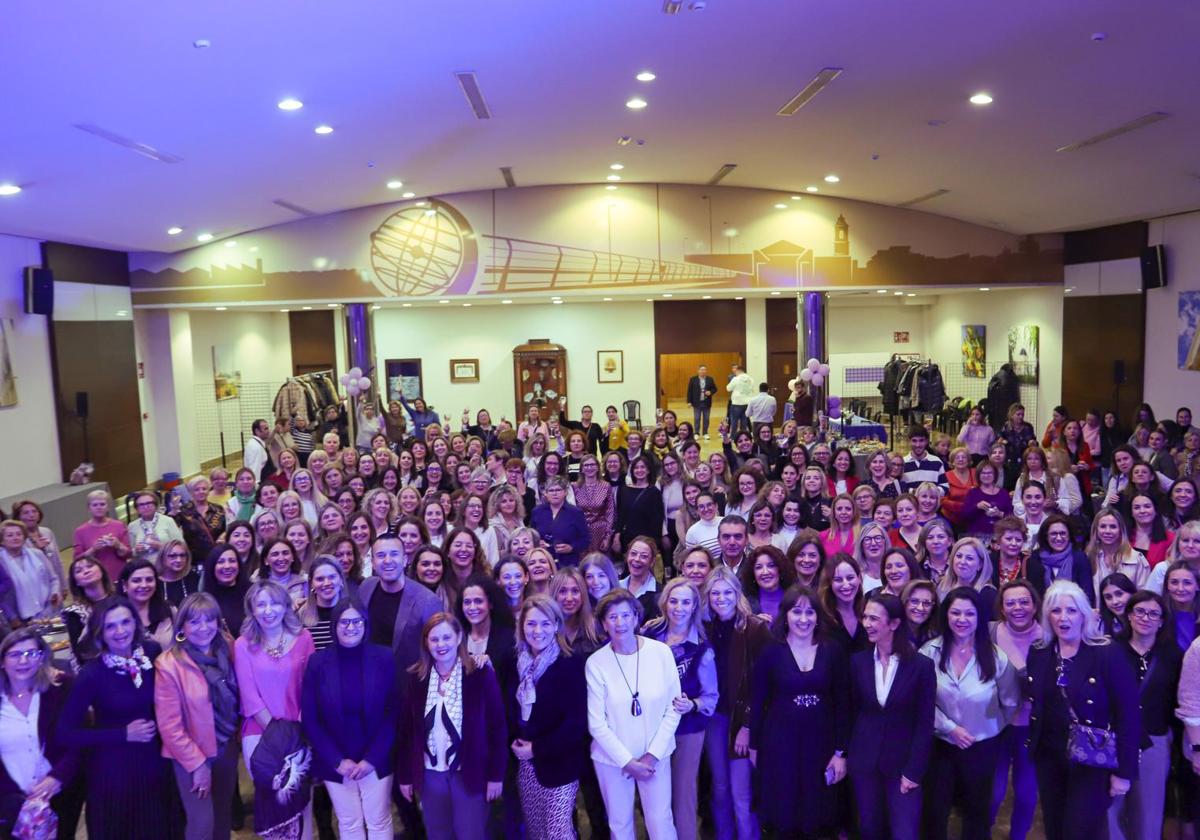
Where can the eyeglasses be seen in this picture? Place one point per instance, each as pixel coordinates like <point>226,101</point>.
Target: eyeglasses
<point>350,622</point>
<point>24,655</point>
<point>874,538</point>
<point>1147,614</point>
<point>920,602</point>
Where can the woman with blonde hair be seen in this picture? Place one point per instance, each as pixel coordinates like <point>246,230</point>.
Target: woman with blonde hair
<point>570,591</point>
<point>505,514</point>
<point>1109,550</point>
<point>196,706</point>
<point>305,486</point>
<point>870,546</point>
<point>177,574</point>
<point>1069,492</point>
<point>971,566</point>
<point>289,506</point>
<point>380,507</point>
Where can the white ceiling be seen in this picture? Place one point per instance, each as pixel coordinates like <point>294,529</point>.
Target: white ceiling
<point>556,76</point>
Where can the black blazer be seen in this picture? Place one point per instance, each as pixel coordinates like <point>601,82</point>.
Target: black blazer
<point>557,725</point>
<point>696,397</point>
<point>62,755</point>
<point>1158,689</point>
<point>896,739</point>
<point>321,709</point>
<point>1102,690</point>
<point>1035,572</point>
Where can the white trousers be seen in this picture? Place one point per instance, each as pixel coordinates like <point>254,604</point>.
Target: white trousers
<point>363,808</point>
<point>618,792</point>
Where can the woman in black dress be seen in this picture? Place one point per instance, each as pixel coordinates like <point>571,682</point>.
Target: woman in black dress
<point>640,511</point>
<point>129,785</point>
<point>800,721</point>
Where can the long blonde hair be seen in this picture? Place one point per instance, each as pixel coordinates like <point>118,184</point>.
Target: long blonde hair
<point>951,579</point>
<point>742,609</point>
<point>250,629</point>
<point>585,618</point>
<point>662,624</point>
<point>1124,552</point>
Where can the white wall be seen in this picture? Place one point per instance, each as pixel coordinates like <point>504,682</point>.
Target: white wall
<point>489,333</point>
<point>30,428</point>
<point>756,339</point>
<point>999,310</point>
<point>863,336</point>
<point>1167,387</point>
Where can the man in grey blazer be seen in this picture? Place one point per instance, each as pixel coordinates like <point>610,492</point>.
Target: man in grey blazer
<point>397,606</point>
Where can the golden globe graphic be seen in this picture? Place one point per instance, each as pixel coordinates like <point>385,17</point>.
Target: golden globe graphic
<point>423,250</point>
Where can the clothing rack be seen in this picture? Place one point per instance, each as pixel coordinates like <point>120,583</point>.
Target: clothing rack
<point>913,357</point>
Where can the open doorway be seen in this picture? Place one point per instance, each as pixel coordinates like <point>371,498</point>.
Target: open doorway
<point>676,369</point>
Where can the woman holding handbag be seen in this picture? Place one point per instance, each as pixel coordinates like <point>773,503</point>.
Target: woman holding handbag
<point>1084,726</point>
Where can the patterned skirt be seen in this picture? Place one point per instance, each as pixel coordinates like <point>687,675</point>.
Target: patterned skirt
<point>548,811</point>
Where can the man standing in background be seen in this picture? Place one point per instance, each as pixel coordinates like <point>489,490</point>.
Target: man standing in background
<point>741,389</point>
<point>762,408</point>
<point>700,392</point>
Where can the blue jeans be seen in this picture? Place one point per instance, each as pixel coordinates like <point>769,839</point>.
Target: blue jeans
<point>731,788</point>
<point>737,419</point>
<point>1014,753</point>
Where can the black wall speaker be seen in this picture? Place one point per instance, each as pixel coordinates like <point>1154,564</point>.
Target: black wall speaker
<point>39,291</point>
<point>81,404</point>
<point>1118,371</point>
<point>1154,267</point>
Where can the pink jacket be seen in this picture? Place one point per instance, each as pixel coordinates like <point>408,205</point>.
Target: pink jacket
<point>184,710</point>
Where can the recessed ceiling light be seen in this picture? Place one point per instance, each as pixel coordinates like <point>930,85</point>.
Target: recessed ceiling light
<point>911,294</point>
<point>898,294</point>
<point>797,197</point>
<point>649,300</point>
<point>232,243</point>
<point>831,178</point>
<point>204,237</point>
<point>323,129</point>
<point>776,294</point>
<point>406,305</point>
<point>394,185</point>
<point>174,231</point>
<point>881,291</point>
<point>408,195</point>
<point>506,300</point>
<point>556,302</point>
<point>122,313</point>
<point>636,104</point>
<point>285,309</point>
<point>608,299</point>
<point>645,76</point>
<point>616,167</point>
<point>331,305</point>
<point>1068,290</point>
<point>306,307</point>
<point>707,297</point>
<point>667,294</point>
<point>611,187</point>
<point>812,189</point>
<point>985,288</point>
<point>376,307</point>
<point>9,189</point>
<point>739,298</point>
<point>222,308</point>
<point>981,98</point>
<point>781,207</point>
<point>443,301</point>
<point>421,203</point>
<point>466,304</point>
<point>614,177</point>
<point>430,212</point>
<point>290,104</point>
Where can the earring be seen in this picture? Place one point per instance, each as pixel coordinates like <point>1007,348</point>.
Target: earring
<point>179,637</point>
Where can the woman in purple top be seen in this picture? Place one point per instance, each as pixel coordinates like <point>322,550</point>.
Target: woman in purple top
<point>986,503</point>
<point>977,436</point>
<point>562,526</point>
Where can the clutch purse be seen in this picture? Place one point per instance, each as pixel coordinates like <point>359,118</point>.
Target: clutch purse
<point>1091,746</point>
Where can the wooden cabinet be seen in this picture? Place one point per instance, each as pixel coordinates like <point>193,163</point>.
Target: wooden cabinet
<point>539,376</point>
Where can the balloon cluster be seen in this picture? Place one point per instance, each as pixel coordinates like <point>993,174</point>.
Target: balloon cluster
<point>815,373</point>
<point>354,382</point>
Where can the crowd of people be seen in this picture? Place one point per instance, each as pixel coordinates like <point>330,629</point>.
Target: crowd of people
<point>451,621</point>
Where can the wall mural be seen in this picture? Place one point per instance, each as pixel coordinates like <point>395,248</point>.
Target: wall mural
<point>583,238</point>
<point>1189,330</point>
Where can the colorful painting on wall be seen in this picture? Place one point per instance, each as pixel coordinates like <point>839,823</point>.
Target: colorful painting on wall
<point>974,350</point>
<point>227,377</point>
<point>8,379</point>
<point>1023,352</point>
<point>1189,330</point>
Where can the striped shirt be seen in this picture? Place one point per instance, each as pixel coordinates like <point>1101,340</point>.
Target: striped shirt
<point>916,472</point>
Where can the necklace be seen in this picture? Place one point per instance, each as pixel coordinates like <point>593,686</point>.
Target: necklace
<point>635,707</point>
<point>276,651</point>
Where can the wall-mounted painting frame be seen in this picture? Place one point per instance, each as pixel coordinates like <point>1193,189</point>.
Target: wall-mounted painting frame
<point>610,367</point>
<point>227,376</point>
<point>464,370</point>
<point>402,376</point>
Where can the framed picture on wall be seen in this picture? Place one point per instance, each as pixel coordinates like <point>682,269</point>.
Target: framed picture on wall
<point>610,366</point>
<point>974,350</point>
<point>227,376</point>
<point>464,370</point>
<point>403,378</point>
<point>1023,352</point>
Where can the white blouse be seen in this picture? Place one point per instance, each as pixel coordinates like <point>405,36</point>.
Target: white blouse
<point>612,678</point>
<point>20,748</point>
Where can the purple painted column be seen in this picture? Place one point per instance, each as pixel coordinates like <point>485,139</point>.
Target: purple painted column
<point>360,352</point>
<point>813,343</point>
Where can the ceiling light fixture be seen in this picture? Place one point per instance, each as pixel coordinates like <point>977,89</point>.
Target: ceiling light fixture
<point>443,301</point>
<point>285,309</point>
<point>9,189</point>
<point>409,195</point>
<point>739,298</point>
<point>636,103</point>
<point>331,305</point>
<point>376,307</point>
<point>611,187</point>
<point>306,307</point>
<point>898,294</point>
<point>776,294</point>
<point>556,302</point>
<point>818,83</point>
<point>222,308</point>
<point>394,185</point>
<point>470,88</point>
<point>707,297</point>
<point>616,167</point>
<point>406,305</point>
<point>985,288</point>
<point>466,304</point>
<point>290,104</point>
<point>232,243</point>
<point>781,206</point>
<point>506,301</point>
<point>881,291</point>
<point>668,294</point>
<point>797,197</point>
<point>1125,128</point>
<point>624,140</point>
<point>614,178</point>
<point>721,173</point>
<point>812,189</point>
<point>323,129</point>
<point>981,98</point>
<point>831,178</point>
<point>911,294</point>
<point>607,299</point>
<point>204,237</point>
<point>174,231</point>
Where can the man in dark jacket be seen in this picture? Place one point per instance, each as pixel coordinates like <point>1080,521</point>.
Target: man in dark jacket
<point>700,392</point>
<point>1004,389</point>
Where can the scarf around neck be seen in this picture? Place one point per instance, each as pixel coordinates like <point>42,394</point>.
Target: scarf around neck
<point>530,669</point>
<point>222,687</point>
<point>131,665</point>
<point>245,506</point>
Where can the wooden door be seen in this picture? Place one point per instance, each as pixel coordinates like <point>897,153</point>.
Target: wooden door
<point>676,369</point>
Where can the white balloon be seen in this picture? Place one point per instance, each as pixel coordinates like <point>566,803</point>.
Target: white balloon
<point>355,373</point>
<point>812,365</point>
<point>818,380</point>
<point>823,370</point>
<point>806,375</point>
<point>344,379</point>
<point>364,384</point>
<point>352,389</point>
